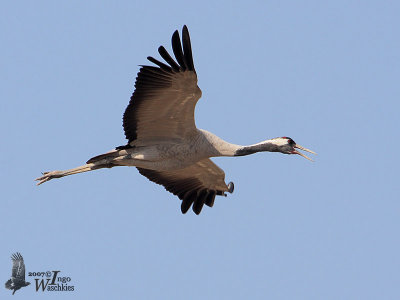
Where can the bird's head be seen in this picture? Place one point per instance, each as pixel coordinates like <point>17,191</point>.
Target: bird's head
<point>287,146</point>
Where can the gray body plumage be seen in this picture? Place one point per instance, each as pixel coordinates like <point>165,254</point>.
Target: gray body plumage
<point>170,155</point>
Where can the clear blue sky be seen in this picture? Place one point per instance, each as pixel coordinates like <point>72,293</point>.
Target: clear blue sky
<point>325,73</point>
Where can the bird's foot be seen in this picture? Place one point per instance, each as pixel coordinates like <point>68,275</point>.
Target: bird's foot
<point>48,176</point>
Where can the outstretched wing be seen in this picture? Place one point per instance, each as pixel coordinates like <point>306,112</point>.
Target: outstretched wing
<point>18,268</point>
<point>197,184</point>
<point>162,105</point>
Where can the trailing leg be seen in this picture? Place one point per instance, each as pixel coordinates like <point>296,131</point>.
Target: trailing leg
<point>58,174</point>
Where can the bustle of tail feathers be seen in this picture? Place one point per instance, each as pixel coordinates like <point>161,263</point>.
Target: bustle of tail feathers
<point>111,154</point>
<point>124,147</point>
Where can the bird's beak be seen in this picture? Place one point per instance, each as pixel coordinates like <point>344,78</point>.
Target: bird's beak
<point>304,149</point>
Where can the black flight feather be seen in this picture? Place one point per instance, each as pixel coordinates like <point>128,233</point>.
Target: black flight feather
<point>160,64</point>
<point>164,54</point>
<point>177,48</point>
<point>187,48</point>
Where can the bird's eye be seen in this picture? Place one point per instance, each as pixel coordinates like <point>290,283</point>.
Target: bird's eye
<point>291,142</point>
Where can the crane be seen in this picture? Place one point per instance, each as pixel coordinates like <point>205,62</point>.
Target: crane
<point>164,143</point>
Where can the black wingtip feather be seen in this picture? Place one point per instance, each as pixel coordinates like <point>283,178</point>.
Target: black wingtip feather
<point>199,202</point>
<point>188,200</point>
<point>183,54</point>
<point>210,198</point>
<point>160,64</point>
<point>187,48</point>
<point>164,54</point>
<point>177,48</point>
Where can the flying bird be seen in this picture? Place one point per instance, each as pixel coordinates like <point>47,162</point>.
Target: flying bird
<point>17,279</point>
<point>164,143</point>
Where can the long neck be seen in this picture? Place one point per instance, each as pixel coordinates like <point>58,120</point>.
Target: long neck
<point>267,145</point>
<point>223,148</point>
<point>215,146</point>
